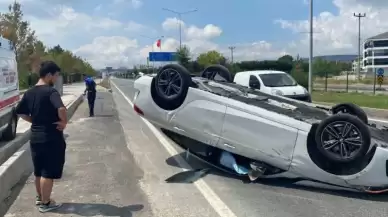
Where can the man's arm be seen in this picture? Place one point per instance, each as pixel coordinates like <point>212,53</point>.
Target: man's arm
<point>86,87</point>
<point>22,109</point>
<point>56,101</point>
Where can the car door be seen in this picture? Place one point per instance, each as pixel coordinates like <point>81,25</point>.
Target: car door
<point>200,120</point>
<point>249,131</point>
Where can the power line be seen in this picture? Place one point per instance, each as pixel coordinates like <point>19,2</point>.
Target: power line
<point>359,16</point>
<point>231,52</point>
<point>180,21</point>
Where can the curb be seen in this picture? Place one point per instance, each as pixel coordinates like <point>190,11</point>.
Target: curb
<point>19,164</point>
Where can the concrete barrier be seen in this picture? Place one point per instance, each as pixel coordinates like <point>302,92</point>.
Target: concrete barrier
<point>19,164</point>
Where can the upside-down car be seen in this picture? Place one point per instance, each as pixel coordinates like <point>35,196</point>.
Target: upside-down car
<point>283,137</point>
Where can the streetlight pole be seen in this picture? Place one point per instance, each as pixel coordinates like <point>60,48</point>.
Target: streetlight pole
<point>180,21</point>
<point>311,48</point>
<point>231,52</point>
<point>359,16</point>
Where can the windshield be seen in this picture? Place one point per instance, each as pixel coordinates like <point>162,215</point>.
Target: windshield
<point>277,80</point>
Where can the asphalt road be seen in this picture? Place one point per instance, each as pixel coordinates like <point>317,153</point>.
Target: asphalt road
<point>225,194</point>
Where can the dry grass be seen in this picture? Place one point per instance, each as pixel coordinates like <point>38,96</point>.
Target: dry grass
<point>361,99</point>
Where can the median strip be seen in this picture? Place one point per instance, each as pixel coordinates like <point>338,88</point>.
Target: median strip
<point>16,165</point>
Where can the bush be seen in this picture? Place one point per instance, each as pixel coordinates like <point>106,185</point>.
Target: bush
<point>301,77</point>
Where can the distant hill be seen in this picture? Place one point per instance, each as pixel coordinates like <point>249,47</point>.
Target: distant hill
<point>339,58</point>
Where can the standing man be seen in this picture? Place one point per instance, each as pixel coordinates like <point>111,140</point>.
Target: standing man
<point>42,106</point>
<point>91,93</point>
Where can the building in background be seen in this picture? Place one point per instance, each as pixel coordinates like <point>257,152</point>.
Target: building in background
<point>355,66</point>
<point>375,54</point>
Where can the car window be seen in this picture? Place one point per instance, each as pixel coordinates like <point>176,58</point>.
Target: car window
<point>277,80</point>
<point>253,78</point>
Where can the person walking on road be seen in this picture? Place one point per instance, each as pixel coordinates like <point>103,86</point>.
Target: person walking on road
<point>91,93</point>
<point>42,106</point>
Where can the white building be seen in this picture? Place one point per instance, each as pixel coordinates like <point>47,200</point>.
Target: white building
<point>375,53</point>
<point>355,65</point>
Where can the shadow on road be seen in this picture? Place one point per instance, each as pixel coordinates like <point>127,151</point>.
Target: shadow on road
<point>94,209</point>
<point>297,184</point>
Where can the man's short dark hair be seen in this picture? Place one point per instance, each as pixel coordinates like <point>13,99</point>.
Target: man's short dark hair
<point>48,67</point>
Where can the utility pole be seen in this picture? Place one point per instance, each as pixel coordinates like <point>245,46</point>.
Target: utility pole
<point>180,21</point>
<point>231,52</point>
<point>310,88</point>
<point>359,16</point>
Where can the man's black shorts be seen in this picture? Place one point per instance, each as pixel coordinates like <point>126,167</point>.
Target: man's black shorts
<point>48,158</point>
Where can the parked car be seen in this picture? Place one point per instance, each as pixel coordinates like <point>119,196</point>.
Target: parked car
<point>273,82</point>
<point>9,91</point>
<point>275,135</point>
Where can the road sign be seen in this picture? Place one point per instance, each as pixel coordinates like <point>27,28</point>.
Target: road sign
<point>380,79</point>
<point>380,71</point>
<point>162,56</point>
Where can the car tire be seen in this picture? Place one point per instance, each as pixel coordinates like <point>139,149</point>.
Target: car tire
<point>343,132</point>
<point>10,132</point>
<point>170,86</point>
<point>352,109</point>
<point>212,71</point>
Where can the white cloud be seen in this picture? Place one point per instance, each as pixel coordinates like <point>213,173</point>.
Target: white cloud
<point>110,51</point>
<point>136,4</point>
<point>172,24</point>
<point>338,33</point>
<point>208,32</point>
<point>104,41</point>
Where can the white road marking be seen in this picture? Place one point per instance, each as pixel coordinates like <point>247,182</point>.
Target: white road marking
<point>218,205</point>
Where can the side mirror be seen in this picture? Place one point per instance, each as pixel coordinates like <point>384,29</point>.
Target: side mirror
<point>254,84</point>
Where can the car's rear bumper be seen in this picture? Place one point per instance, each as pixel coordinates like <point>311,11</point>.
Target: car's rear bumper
<point>375,174</point>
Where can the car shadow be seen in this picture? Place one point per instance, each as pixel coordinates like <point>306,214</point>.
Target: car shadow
<point>95,209</point>
<point>198,168</point>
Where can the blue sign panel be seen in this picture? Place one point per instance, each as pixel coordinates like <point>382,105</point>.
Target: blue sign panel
<point>380,71</point>
<point>162,56</point>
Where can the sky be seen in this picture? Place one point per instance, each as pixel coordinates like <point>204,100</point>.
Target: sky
<point>122,32</point>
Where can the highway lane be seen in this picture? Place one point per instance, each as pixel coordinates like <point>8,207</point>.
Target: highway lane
<point>261,199</point>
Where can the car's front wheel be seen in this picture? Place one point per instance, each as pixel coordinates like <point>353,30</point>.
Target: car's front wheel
<point>170,86</point>
<point>343,138</point>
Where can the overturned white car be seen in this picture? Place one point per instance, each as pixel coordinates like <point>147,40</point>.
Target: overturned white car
<point>272,135</point>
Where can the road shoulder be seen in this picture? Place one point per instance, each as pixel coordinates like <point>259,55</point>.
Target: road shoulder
<point>100,177</point>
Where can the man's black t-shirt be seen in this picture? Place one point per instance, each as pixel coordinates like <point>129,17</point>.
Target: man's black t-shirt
<point>42,103</point>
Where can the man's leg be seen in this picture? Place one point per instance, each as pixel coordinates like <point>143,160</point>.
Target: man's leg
<point>91,100</point>
<point>38,190</point>
<point>37,162</point>
<point>53,169</point>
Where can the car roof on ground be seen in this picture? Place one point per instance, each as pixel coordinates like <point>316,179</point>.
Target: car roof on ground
<point>260,72</point>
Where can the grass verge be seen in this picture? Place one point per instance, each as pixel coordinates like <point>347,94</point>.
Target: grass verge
<point>362,99</point>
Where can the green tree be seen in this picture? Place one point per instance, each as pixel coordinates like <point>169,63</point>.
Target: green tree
<point>17,30</point>
<point>183,55</point>
<point>286,59</point>
<point>210,57</point>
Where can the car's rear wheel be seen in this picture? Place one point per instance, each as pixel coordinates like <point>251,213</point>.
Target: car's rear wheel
<point>217,73</point>
<point>350,108</point>
<point>10,132</point>
<point>343,138</point>
<point>170,86</point>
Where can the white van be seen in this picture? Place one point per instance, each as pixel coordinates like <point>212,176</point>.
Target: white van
<point>273,82</point>
<point>9,90</point>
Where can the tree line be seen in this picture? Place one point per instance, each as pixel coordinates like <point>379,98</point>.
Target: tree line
<point>30,51</point>
<point>297,67</point>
